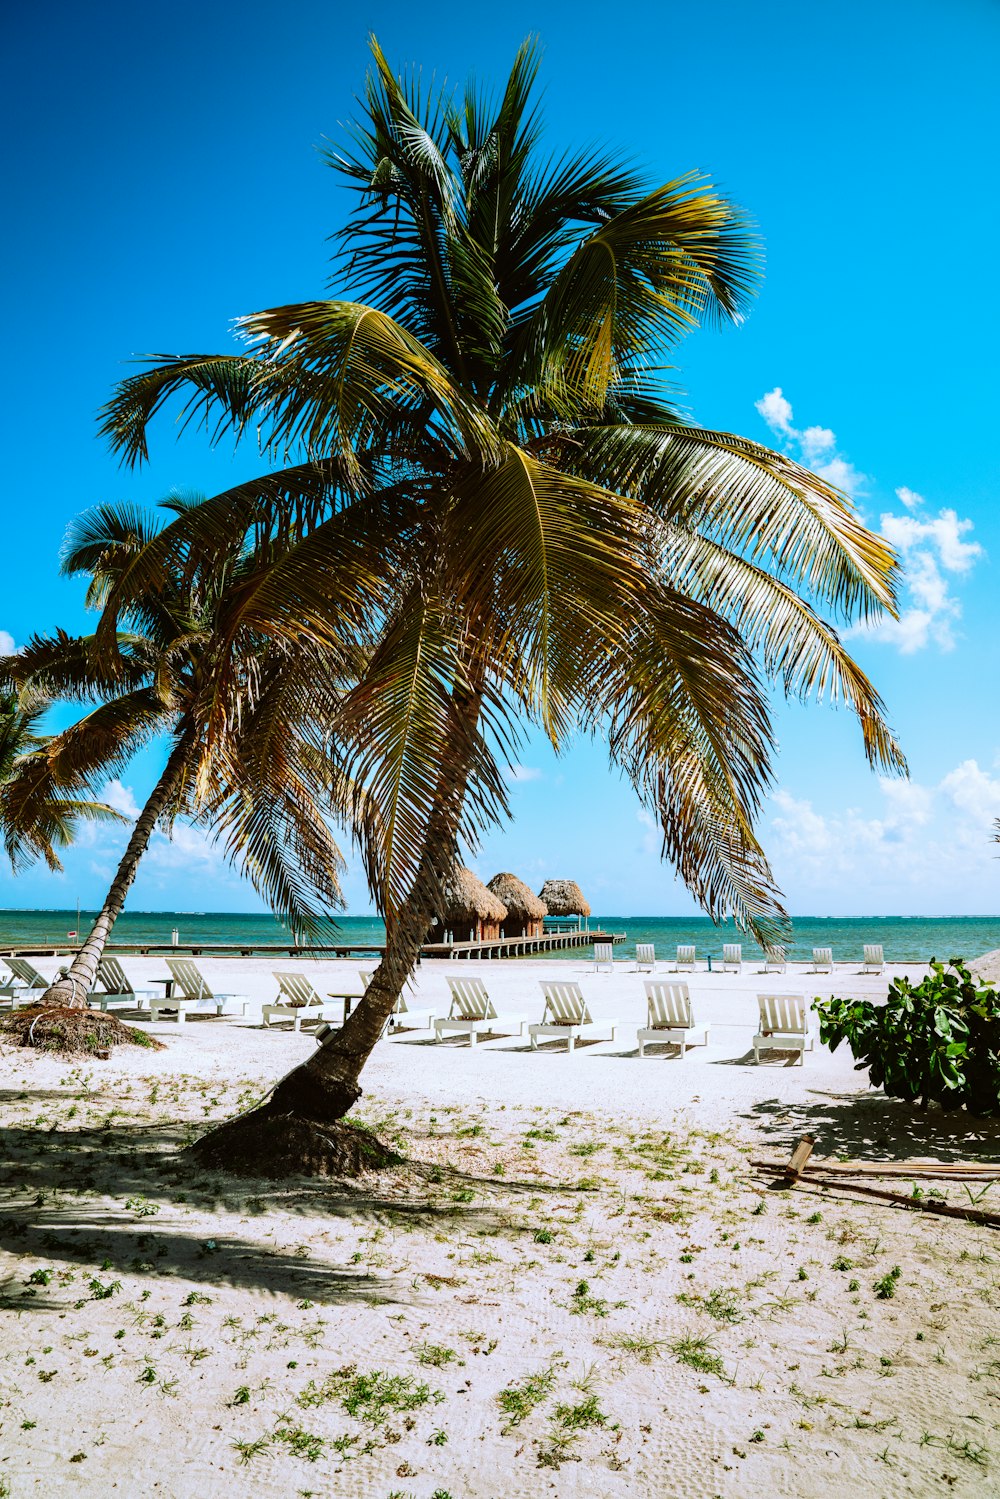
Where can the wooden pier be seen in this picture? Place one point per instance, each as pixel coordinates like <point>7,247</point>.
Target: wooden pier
<point>494,947</point>
<point>518,947</point>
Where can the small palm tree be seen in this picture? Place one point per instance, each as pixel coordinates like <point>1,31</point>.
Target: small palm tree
<point>493,489</point>
<point>54,818</point>
<point>243,754</point>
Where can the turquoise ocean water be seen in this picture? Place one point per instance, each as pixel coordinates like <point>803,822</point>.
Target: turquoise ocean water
<point>908,938</point>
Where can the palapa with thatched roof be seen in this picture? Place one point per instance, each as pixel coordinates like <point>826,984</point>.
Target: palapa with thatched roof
<point>564,898</point>
<point>526,913</point>
<point>470,912</point>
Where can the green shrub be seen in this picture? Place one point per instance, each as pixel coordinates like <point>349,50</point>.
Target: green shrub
<point>939,1039</point>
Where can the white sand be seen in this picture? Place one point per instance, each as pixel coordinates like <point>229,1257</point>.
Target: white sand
<point>628,1175</point>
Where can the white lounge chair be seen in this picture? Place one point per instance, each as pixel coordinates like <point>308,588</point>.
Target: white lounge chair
<point>25,984</point>
<point>874,958</point>
<point>822,959</point>
<point>194,994</point>
<point>775,960</point>
<point>116,987</point>
<point>298,1000</point>
<point>783,1026</point>
<point>685,958</point>
<point>405,1019</point>
<point>670,1017</point>
<point>566,1014</point>
<point>645,957</point>
<point>604,957</point>
<point>472,1012</point>
<point>732,957</point>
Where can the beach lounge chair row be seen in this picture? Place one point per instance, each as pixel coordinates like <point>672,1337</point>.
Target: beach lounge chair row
<point>783,1022</point>
<point>775,958</point>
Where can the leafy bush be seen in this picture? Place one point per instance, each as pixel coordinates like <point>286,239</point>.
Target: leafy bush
<point>939,1039</point>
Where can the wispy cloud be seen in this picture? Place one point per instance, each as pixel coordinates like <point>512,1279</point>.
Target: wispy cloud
<point>934,840</point>
<point>517,774</point>
<point>933,550</point>
<point>817,446</point>
<point>7,645</point>
<point>122,798</point>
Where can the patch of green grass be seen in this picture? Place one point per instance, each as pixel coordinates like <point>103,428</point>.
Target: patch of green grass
<point>142,1207</point>
<point>371,1398</point>
<point>300,1443</point>
<point>885,1288</point>
<point>642,1349</point>
<point>100,1291</point>
<point>433,1355</point>
<point>722,1304</point>
<point>583,1302</point>
<point>698,1354</point>
<point>249,1450</point>
<point>517,1401</point>
<point>582,1416</point>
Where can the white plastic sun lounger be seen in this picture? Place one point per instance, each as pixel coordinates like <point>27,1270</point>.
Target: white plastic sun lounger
<point>566,1014</point>
<point>822,959</point>
<point>670,1017</point>
<point>604,957</point>
<point>685,958</point>
<point>25,984</point>
<point>403,1018</point>
<point>472,1012</point>
<point>783,1026</point>
<point>298,1000</point>
<point>116,987</point>
<point>775,960</point>
<point>732,957</point>
<point>874,958</point>
<point>194,994</point>
<point>645,957</point>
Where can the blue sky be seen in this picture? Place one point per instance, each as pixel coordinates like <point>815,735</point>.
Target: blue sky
<point>162,180</point>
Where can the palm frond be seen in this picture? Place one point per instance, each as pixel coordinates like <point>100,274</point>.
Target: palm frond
<point>753,501</point>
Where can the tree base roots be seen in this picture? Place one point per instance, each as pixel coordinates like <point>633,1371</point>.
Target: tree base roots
<point>72,1032</point>
<point>275,1146</point>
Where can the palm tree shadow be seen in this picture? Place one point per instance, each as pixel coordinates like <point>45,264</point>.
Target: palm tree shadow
<point>45,1174</point>
<point>872,1127</point>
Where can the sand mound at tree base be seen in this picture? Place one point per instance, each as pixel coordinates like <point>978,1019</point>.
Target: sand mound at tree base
<point>72,1032</point>
<point>277,1145</point>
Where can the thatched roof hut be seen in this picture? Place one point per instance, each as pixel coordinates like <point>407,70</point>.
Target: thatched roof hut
<point>564,898</point>
<point>468,907</point>
<point>526,913</point>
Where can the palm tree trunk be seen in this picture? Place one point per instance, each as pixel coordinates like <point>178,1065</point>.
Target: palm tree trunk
<point>326,1086</point>
<point>76,982</point>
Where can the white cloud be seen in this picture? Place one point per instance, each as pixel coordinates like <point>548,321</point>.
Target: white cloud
<point>815,442</point>
<point>817,445</point>
<point>121,798</point>
<point>929,548</point>
<point>973,792</point>
<point>777,412</point>
<point>909,497</point>
<point>7,646</point>
<point>516,774</point>
<point>935,841</point>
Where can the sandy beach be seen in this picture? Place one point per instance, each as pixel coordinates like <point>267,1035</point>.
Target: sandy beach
<point>571,1285</point>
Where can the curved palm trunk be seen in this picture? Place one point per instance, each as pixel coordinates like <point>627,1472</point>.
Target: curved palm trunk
<point>76,982</point>
<point>326,1086</point>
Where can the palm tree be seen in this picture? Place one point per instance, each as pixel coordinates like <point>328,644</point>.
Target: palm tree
<point>243,758</point>
<point>54,817</point>
<point>483,450</point>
